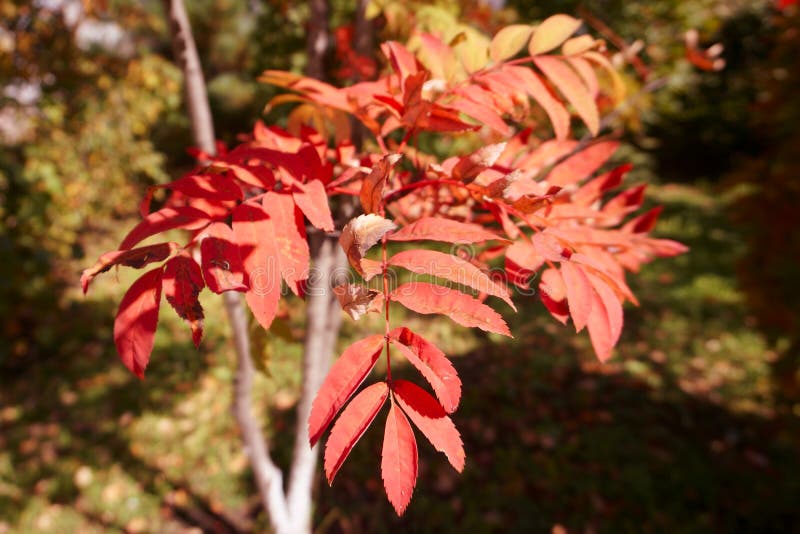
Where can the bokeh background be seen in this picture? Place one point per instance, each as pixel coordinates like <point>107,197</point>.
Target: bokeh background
<point>692,427</point>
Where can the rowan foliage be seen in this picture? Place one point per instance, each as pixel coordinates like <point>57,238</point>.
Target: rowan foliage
<point>545,216</point>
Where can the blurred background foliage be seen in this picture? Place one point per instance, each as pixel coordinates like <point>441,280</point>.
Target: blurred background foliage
<point>692,427</point>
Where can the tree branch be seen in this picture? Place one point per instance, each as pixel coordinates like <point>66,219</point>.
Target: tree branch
<point>269,478</point>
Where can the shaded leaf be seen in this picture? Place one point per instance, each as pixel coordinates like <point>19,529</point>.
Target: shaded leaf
<point>136,258</point>
<point>181,284</point>
<point>221,261</point>
<point>137,320</point>
<point>168,218</point>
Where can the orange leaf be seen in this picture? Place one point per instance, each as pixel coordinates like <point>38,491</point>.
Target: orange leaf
<point>583,164</point>
<point>181,284</point>
<point>432,364</point>
<point>430,418</point>
<point>447,230</point>
<point>351,425</point>
<point>312,200</point>
<point>509,41</point>
<point>573,88</point>
<point>137,320</point>
<point>468,311</point>
<point>346,374</point>
<point>399,460</point>
<point>451,268</point>
<point>556,112</point>
<point>551,33</point>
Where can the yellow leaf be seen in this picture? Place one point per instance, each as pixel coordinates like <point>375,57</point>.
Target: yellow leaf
<point>552,32</point>
<point>509,41</point>
<point>579,45</point>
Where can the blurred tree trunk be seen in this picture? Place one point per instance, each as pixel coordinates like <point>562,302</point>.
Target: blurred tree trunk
<point>288,512</point>
<point>269,478</point>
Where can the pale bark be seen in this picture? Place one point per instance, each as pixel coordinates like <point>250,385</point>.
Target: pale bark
<point>269,478</point>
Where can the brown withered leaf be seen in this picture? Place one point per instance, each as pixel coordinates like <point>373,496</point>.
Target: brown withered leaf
<point>372,186</point>
<point>360,234</point>
<point>358,300</point>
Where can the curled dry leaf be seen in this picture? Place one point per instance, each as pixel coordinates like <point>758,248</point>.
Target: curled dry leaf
<point>360,234</point>
<point>358,300</point>
<point>372,187</point>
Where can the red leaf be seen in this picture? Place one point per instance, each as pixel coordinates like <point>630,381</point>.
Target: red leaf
<point>253,231</point>
<point>289,234</point>
<point>522,261</point>
<point>136,322</point>
<point>136,258</point>
<point>579,293</point>
<point>605,321</point>
<point>313,202</point>
<point>220,259</point>
<point>432,364</point>
<point>582,165</point>
<point>165,219</point>
<point>573,88</point>
<point>447,230</point>
<point>554,295</point>
<point>425,298</point>
<point>351,425</point>
<point>181,284</point>
<point>451,268</point>
<point>430,418</point>
<point>644,222</point>
<point>343,379</point>
<point>371,194</point>
<point>399,460</point>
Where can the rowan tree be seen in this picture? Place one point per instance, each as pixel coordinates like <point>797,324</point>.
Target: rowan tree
<point>546,216</point>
